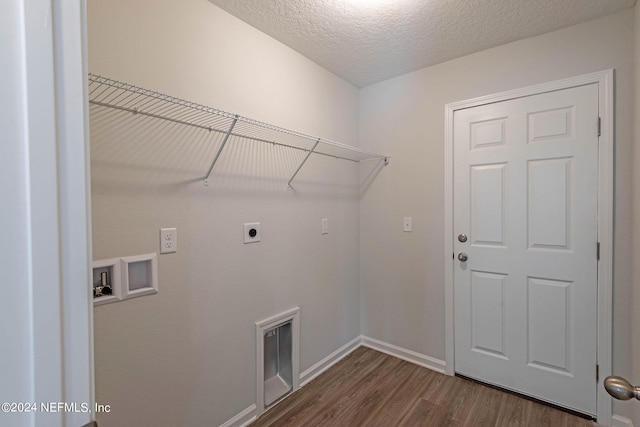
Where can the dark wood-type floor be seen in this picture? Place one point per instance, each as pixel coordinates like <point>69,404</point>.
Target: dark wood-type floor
<point>369,388</point>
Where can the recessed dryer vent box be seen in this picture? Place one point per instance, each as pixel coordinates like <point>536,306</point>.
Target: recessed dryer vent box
<point>278,358</point>
<point>278,375</point>
<point>139,275</point>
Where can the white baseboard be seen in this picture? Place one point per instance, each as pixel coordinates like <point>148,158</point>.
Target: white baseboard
<point>329,361</point>
<point>620,421</point>
<point>244,418</point>
<point>404,354</point>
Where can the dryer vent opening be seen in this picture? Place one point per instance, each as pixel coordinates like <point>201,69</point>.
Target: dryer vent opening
<point>278,374</point>
<point>277,358</point>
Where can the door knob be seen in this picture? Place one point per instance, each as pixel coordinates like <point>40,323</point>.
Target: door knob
<point>620,388</point>
<point>462,257</point>
<point>462,237</point>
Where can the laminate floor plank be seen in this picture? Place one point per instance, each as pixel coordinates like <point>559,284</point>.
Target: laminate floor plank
<point>425,413</point>
<point>460,401</point>
<point>360,398</point>
<point>403,397</point>
<point>372,389</point>
<point>484,411</point>
<point>373,410</point>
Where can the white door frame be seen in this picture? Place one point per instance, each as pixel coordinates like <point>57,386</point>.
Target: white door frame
<point>74,192</point>
<point>604,79</point>
<point>49,255</point>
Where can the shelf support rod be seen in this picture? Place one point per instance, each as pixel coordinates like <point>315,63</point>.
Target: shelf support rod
<point>224,142</point>
<point>303,162</point>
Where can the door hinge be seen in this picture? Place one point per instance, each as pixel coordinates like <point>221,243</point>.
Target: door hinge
<point>597,373</point>
<point>599,125</point>
<point>598,251</point>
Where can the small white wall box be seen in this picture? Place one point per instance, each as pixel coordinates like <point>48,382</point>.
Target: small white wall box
<point>139,275</point>
<point>278,358</point>
<point>106,281</point>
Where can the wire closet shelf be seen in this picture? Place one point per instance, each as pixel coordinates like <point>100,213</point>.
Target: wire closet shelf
<point>106,92</point>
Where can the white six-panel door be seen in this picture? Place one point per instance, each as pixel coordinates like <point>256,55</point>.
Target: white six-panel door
<point>525,195</point>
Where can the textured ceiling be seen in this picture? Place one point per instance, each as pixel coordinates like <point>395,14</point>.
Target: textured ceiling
<point>367,41</point>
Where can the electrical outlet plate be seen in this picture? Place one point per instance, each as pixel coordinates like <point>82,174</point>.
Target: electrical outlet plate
<point>325,225</point>
<point>168,240</point>
<point>249,235</point>
<point>407,223</point>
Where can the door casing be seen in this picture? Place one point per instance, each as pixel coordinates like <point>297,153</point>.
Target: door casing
<point>604,80</point>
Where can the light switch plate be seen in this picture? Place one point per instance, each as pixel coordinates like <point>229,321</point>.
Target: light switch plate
<point>168,240</point>
<point>325,225</point>
<point>249,235</point>
<point>407,223</point>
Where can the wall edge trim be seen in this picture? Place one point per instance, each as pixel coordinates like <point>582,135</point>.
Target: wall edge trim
<point>244,418</point>
<point>405,354</point>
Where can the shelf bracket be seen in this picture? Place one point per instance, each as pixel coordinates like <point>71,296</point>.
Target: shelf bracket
<point>224,142</point>
<point>303,162</point>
